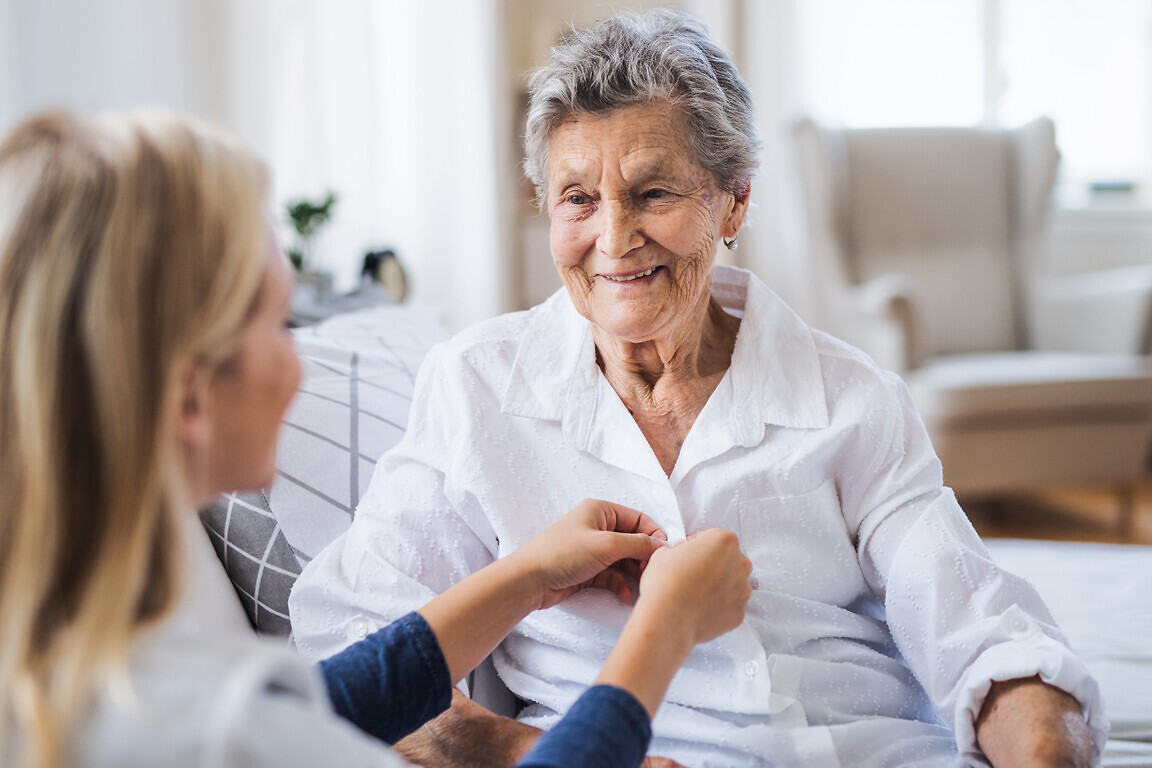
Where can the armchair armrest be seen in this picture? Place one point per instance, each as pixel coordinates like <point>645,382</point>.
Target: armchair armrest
<point>883,316</point>
<point>1106,311</point>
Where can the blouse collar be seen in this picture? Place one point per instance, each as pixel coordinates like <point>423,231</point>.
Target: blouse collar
<point>776,377</point>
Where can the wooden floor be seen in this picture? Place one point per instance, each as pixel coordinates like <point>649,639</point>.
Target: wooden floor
<point>1069,514</point>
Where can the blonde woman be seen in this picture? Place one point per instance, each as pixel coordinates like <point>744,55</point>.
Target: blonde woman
<point>145,365</point>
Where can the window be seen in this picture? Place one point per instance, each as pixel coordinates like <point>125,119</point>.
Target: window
<point>1085,63</point>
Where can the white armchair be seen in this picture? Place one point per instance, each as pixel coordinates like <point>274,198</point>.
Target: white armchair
<point>923,252</point>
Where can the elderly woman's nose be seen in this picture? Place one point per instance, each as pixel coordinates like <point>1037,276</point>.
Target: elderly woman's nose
<point>619,230</point>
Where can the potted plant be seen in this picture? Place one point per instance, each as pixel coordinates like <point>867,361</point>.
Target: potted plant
<point>307,216</point>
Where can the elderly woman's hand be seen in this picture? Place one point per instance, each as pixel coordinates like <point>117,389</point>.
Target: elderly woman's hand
<point>596,544</point>
<point>1030,724</point>
<point>469,736</point>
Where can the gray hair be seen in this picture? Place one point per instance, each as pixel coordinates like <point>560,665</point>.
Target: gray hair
<point>629,59</point>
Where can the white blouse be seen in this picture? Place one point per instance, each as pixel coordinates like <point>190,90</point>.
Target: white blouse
<point>878,620</point>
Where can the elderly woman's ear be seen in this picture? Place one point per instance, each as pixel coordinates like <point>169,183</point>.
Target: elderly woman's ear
<point>734,219</point>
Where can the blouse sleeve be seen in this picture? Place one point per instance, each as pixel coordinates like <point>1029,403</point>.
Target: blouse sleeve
<point>408,541</point>
<point>392,682</point>
<point>606,728</point>
<point>959,620</point>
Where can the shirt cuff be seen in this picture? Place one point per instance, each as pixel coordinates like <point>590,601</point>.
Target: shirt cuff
<point>1027,653</point>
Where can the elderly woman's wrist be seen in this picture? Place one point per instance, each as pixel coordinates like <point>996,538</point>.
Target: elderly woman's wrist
<point>1027,722</point>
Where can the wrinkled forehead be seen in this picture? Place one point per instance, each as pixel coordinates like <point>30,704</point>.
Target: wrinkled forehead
<point>633,142</point>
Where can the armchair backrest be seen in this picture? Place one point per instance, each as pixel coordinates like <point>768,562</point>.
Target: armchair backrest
<point>956,209</point>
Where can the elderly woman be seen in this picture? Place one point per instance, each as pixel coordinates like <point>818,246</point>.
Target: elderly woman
<point>879,632</point>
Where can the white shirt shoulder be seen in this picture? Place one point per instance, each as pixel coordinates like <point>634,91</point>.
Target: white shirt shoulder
<point>200,689</point>
<point>219,702</point>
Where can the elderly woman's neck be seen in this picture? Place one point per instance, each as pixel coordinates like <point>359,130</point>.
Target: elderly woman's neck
<point>665,383</point>
<point>693,354</point>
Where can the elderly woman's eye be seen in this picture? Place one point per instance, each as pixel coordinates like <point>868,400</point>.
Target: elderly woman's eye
<point>577,199</point>
<point>655,194</point>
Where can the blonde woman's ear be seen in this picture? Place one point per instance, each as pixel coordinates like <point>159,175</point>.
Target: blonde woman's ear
<point>193,421</point>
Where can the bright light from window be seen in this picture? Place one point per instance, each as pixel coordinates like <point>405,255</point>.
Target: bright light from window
<point>893,62</point>
<point>1085,63</point>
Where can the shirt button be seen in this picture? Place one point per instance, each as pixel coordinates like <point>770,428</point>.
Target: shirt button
<point>1018,626</point>
<point>751,668</point>
<point>360,630</point>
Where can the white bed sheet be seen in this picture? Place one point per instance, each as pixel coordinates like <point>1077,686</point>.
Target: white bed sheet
<point>1101,596</point>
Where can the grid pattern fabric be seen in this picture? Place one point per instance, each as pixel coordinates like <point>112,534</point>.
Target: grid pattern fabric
<point>260,564</point>
<point>359,371</point>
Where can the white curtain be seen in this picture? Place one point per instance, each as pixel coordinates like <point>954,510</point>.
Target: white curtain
<point>397,106</point>
<point>392,105</point>
<point>93,54</point>
<point>9,63</point>
<point>773,243</point>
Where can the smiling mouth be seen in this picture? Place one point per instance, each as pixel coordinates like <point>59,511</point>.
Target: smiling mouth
<point>630,278</point>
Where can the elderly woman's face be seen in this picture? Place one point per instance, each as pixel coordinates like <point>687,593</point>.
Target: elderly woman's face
<point>635,220</point>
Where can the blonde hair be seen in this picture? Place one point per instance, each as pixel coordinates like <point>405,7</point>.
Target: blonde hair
<point>130,251</point>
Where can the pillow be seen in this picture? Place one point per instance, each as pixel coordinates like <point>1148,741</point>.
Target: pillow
<point>359,369</point>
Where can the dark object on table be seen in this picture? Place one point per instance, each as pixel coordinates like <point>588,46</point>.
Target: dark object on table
<point>382,281</point>
<point>384,268</point>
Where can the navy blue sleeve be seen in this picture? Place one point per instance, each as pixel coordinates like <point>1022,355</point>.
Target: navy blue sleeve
<point>391,682</point>
<point>606,728</point>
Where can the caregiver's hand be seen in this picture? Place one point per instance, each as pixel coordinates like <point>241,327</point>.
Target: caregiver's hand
<point>689,594</point>
<point>581,549</point>
<point>596,544</point>
<point>699,586</point>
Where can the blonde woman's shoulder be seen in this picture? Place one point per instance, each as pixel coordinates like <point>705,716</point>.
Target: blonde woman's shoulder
<point>219,700</point>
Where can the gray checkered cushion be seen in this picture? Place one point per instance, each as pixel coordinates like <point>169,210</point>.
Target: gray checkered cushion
<point>258,559</point>
<point>359,369</point>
